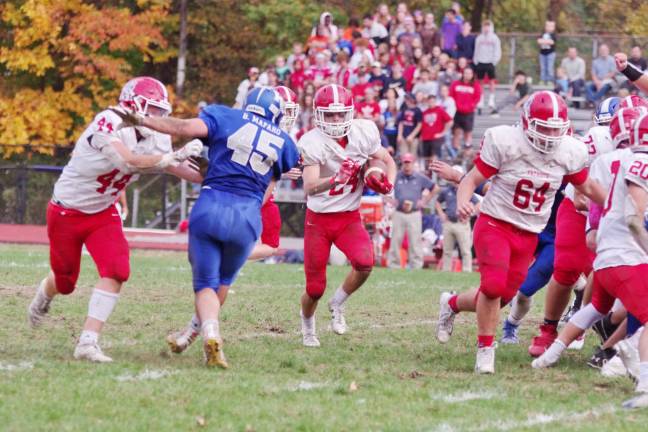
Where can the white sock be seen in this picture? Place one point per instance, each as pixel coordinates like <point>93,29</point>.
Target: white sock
<point>211,329</point>
<point>309,323</point>
<point>339,297</point>
<point>102,304</point>
<point>555,350</point>
<point>41,291</point>
<point>520,306</point>
<point>88,337</point>
<point>194,324</point>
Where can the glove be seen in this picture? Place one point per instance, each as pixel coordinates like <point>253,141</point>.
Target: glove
<point>192,149</point>
<point>129,118</point>
<point>379,184</point>
<point>348,169</point>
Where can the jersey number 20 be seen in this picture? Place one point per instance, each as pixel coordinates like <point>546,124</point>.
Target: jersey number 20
<point>262,156</point>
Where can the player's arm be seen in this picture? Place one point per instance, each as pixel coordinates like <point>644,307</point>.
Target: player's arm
<point>383,155</point>
<point>592,189</point>
<point>117,152</point>
<point>187,171</point>
<point>634,209</point>
<point>314,185</point>
<point>445,171</point>
<point>636,76</point>
<point>467,186</point>
<point>195,127</point>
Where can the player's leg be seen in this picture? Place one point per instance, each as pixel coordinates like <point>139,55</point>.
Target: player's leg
<point>317,248</point>
<point>398,233</point>
<point>602,302</point>
<point>109,250</point>
<point>354,241</point>
<point>449,242</point>
<point>65,232</point>
<point>271,218</point>
<point>537,277</point>
<point>415,246</point>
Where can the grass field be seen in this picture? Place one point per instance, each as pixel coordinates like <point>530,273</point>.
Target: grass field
<point>403,379</point>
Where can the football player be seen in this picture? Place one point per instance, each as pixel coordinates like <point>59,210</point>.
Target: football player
<point>527,164</point>
<point>572,257</point>
<point>333,153</point>
<point>247,152</point>
<point>621,264</point>
<point>107,157</point>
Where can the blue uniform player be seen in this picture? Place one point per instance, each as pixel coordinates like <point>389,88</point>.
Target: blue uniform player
<point>247,151</point>
<point>539,274</point>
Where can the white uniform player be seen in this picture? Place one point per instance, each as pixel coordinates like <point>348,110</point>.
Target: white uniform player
<point>527,165</point>
<point>523,191</point>
<point>332,155</point>
<point>105,160</point>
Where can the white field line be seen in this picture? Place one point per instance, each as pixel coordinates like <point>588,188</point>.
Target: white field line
<point>147,374</point>
<point>23,365</point>
<point>464,397</point>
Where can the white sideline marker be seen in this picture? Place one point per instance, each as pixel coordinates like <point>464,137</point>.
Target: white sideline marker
<point>23,365</point>
<point>464,397</point>
<point>146,375</point>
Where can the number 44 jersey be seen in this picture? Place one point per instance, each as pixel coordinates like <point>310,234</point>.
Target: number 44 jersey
<point>525,180</point>
<point>90,182</point>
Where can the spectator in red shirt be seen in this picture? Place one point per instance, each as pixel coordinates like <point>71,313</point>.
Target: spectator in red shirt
<point>436,124</point>
<point>466,93</point>
<point>369,108</point>
<point>359,83</point>
<point>343,72</point>
<point>320,72</point>
<point>298,77</point>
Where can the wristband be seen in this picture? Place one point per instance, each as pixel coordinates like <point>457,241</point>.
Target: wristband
<point>631,72</point>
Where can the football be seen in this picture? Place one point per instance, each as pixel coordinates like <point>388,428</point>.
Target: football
<point>374,167</point>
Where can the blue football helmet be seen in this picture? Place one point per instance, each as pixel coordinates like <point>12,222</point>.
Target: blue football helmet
<point>606,110</point>
<point>265,102</point>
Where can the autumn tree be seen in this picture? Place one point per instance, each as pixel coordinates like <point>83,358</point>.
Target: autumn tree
<point>62,60</point>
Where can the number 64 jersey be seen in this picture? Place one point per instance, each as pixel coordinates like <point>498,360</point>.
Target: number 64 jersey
<point>525,180</point>
<point>90,181</point>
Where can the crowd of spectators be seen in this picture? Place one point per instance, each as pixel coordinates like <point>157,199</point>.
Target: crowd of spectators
<point>423,81</point>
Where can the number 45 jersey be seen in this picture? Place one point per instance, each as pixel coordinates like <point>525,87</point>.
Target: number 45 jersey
<point>245,151</point>
<point>90,182</point>
<point>524,180</point>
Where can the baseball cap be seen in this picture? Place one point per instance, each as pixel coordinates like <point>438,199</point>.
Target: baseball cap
<point>407,157</point>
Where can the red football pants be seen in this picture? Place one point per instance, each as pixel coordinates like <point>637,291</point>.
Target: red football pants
<point>627,283</point>
<point>344,230</point>
<point>68,230</point>
<point>504,254</point>
<point>572,256</point>
<point>271,220</point>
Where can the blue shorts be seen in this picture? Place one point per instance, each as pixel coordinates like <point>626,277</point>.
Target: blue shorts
<point>223,229</point>
<point>542,268</point>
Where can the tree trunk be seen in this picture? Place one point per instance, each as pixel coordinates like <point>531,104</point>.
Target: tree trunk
<point>476,16</point>
<point>182,51</point>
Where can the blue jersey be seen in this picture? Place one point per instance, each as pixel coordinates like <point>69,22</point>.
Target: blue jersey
<point>245,151</point>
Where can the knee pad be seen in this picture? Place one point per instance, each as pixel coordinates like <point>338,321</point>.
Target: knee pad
<point>315,286</point>
<point>494,286</point>
<point>566,277</point>
<point>363,262</point>
<point>586,317</point>
<point>65,284</point>
<point>120,272</point>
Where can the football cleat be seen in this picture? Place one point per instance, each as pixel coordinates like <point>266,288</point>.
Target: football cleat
<point>601,357</point>
<point>614,368</point>
<point>509,333</point>
<point>338,323</point>
<point>541,343</point>
<point>629,355</point>
<point>179,341</point>
<point>445,324</point>
<point>91,352</point>
<point>214,356</point>
<point>39,306</point>
<point>309,335</point>
<point>604,327</point>
<point>485,363</point>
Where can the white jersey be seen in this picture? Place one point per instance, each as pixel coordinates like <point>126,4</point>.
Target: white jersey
<point>615,244</point>
<point>318,149</point>
<point>90,182</point>
<point>598,142</point>
<point>523,189</point>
